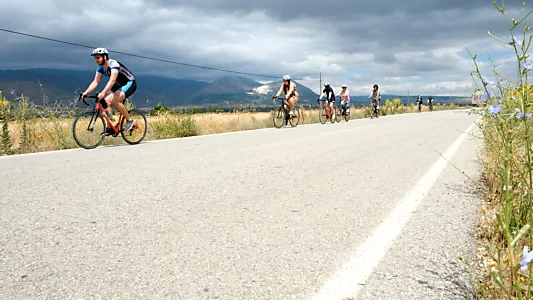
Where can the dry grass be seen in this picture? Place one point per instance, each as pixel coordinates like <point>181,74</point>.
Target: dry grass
<point>55,134</point>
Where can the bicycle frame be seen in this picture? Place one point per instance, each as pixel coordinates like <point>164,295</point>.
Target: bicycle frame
<point>327,107</point>
<point>99,107</point>
<point>285,109</point>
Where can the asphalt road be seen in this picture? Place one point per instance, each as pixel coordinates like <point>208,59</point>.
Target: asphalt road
<point>266,214</point>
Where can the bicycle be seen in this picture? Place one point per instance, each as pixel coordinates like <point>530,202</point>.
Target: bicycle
<point>343,110</point>
<point>281,116</point>
<point>326,112</point>
<point>431,107</point>
<point>419,107</point>
<point>374,111</point>
<point>89,137</point>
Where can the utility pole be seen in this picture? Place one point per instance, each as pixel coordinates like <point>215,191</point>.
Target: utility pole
<point>407,98</point>
<point>320,86</point>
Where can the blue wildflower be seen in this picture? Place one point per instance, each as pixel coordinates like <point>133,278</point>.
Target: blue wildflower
<point>517,41</point>
<point>526,258</point>
<point>494,109</point>
<point>487,81</point>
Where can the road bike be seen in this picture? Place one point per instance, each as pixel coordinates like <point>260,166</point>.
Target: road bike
<point>374,110</point>
<point>326,112</point>
<point>343,111</point>
<point>281,115</point>
<point>90,126</point>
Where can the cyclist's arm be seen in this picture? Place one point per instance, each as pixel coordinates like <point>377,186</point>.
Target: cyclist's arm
<point>280,91</point>
<point>94,84</point>
<point>112,79</point>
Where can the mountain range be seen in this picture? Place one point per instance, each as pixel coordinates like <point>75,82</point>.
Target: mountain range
<point>64,86</point>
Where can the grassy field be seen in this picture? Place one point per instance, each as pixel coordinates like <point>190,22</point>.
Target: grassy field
<point>27,135</point>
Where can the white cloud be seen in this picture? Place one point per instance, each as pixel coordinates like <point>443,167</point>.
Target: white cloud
<point>401,45</point>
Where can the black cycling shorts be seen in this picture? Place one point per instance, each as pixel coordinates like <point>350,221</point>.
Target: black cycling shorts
<point>128,89</point>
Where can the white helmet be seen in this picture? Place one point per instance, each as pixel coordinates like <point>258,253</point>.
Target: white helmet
<point>326,84</point>
<point>99,51</point>
<point>286,77</point>
<point>344,86</point>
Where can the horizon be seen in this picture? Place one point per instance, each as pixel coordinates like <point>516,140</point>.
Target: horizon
<point>384,42</point>
<point>240,76</point>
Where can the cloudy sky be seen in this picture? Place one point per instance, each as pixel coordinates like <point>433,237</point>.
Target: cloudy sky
<point>403,45</point>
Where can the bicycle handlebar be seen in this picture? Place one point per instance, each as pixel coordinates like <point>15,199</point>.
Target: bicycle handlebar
<point>90,97</point>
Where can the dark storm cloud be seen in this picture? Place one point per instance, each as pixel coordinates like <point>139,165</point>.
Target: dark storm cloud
<point>379,39</point>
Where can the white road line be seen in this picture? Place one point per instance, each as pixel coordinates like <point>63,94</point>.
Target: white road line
<point>349,279</point>
<point>348,129</point>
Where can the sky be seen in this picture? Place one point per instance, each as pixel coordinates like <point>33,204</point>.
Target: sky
<point>404,46</point>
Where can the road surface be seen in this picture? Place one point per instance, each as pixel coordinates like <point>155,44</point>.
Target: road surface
<point>367,209</point>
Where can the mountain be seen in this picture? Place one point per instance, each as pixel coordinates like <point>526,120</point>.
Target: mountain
<point>307,96</point>
<point>65,85</point>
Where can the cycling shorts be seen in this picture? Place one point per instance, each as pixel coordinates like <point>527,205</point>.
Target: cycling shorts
<point>128,89</point>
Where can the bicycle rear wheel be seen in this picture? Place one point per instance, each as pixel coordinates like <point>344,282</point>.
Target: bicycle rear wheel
<point>295,119</point>
<point>88,129</point>
<point>138,132</point>
<point>278,117</point>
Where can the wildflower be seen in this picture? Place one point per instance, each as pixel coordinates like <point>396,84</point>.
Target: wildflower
<point>494,109</point>
<point>520,114</point>
<point>487,81</point>
<point>526,258</point>
<point>517,41</point>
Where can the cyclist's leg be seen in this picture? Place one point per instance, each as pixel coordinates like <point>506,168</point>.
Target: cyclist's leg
<point>292,100</point>
<point>332,107</point>
<point>119,96</point>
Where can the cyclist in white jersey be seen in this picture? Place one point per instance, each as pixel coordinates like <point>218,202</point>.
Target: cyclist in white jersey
<point>121,85</point>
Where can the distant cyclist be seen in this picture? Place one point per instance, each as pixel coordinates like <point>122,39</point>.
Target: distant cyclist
<point>375,95</point>
<point>345,97</point>
<point>419,101</point>
<point>330,97</point>
<point>430,103</point>
<point>121,85</point>
<point>289,88</point>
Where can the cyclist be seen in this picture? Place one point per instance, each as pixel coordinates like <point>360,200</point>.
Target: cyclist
<point>376,97</point>
<point>430,103</point>
<point>419,101</point>
<point>121,85</point>
<point>345,98</point>
<point>330,97</point>
<point>291,95</point>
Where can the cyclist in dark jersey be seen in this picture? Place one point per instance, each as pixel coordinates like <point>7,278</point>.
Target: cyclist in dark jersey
<point>121,85</point>
<point>330,97</point>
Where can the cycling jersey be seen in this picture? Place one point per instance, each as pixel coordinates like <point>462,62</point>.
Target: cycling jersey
<point>345,96</point>
<point>375,95</point>
<point>328,92</point>
<point>124,75</point>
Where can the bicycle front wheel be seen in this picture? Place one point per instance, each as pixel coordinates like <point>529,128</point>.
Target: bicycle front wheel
<point>322,115</point>
<point>338,114</point>
<point>347,115</point>
<point>138,132</point>
<point>88,129</point>
<point>278,117</point>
